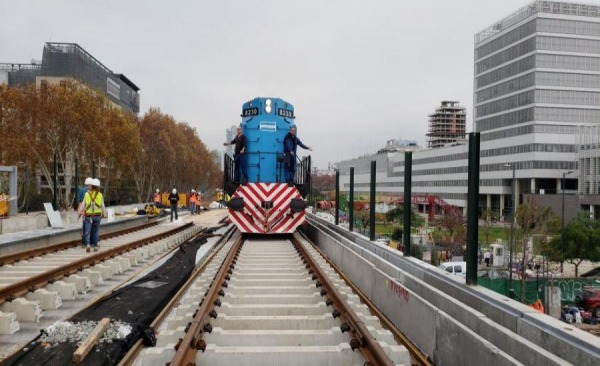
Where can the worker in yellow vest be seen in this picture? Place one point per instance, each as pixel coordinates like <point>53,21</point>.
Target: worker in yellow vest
<point>92,210</point>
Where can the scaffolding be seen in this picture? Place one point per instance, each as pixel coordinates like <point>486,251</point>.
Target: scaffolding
<point>551,7</point>
<point>447,125</point>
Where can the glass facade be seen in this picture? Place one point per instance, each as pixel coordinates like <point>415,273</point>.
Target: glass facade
<point>538,72</point>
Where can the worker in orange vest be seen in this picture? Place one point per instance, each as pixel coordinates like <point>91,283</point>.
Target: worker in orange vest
<point>193,202</point>
<point>157,198</point>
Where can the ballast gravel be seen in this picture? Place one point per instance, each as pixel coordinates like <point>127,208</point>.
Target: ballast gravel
<point>61,332</point>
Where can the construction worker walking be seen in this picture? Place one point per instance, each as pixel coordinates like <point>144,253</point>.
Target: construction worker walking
<point>92,209</point>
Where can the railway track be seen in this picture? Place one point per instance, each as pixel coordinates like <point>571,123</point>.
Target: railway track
<point>261,301</point>
<point>40,280</point>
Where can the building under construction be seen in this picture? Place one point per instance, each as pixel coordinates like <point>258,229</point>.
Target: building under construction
<point>447,125</point>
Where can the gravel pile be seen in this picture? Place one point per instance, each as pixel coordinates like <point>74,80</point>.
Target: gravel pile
<point>61,332</point>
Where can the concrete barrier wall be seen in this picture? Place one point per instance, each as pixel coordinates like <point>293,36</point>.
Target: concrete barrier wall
<point>39,220</point>
<point>36,239</point>
<point>481,311</point>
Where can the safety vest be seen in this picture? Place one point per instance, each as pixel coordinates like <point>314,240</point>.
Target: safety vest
<point>156,197</point>
<point>93,203</point>
<point>193,198</point>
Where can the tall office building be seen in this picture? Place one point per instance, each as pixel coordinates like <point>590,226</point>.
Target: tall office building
<point>536,85</point>
<point>447,125</point>
<point>537,78</point>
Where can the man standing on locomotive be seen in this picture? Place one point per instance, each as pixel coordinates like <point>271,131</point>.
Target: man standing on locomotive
<point>290,145</point>
<point>239,155</point>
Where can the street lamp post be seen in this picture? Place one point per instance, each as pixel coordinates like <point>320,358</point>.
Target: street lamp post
<point>511,290</point>
<point>562,217</point>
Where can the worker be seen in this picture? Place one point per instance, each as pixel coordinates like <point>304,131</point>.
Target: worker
<point>193,202</point>
<point>290,146</point>
<point>80,198</point>
<point>92,210</point>
<point>173,199</point>
<point>198,202</point>
<point>157,198</point>
<point>240,174</point>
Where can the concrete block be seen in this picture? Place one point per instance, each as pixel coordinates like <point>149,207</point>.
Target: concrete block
<point>152,249</point>
<point>49,300</point>
<point>340,354</point>
<point>158,355</point>
<point>143,252</point>
<point>8,323</point>
<point>115,266</point>
<point>124,262</point>
<point>26,310</point>
<point>575,345</point>
<point>66,291</point>
<point>132,259</point>
<point>177,321</point>
<point>95,277</point>
<point>105,271</point>
<point>169,336</point>
<point>82,284</point>
<point>451,337</point>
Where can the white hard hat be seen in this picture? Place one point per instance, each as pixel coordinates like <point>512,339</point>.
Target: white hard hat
<point>174,190</point>
<point>96,182</point>
<point>88,181</point>
<point>193,190</point>
<point>157,190</point>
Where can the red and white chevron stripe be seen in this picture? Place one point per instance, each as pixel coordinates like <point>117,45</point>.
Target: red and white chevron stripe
<point>257,220</point>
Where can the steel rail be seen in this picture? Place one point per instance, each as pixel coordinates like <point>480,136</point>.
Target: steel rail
<point>414,351</point>
<point>36,252</point>
<point>363,340</point>
<point>134,351</point>
<point>10,292</point>
<point>185,353</point>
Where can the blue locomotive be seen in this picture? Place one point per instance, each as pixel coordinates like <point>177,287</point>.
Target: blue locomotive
<point>267,204</point>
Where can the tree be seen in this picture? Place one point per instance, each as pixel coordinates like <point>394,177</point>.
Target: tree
<point>172,156</point>
<point>531,219</point>
<point>397,215</point>
<point>322,184</point>
<point>581,242</point>
<point>489,216</point>
<point>451,221</point>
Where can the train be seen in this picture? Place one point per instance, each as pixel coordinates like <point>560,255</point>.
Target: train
<point>267,203</point>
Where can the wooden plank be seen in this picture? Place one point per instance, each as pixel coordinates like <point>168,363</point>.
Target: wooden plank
<point>91,340</point>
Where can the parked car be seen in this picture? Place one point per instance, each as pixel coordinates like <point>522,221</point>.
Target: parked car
<point>457,268</point>
<point>589,299</point>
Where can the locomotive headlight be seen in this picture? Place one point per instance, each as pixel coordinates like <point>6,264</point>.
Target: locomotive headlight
<point>268,106</point>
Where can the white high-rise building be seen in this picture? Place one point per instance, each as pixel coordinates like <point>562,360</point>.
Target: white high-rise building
<point>536,82</point>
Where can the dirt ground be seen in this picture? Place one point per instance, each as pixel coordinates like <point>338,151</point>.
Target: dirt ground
<point>590,328</point>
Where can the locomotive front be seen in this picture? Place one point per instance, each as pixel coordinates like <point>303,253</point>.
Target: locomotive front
<point>266,203</point>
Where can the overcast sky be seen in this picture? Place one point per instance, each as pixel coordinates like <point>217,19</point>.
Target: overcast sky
<point>358,72</point>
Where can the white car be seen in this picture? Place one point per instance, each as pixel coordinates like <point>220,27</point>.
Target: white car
<point>456,268</point>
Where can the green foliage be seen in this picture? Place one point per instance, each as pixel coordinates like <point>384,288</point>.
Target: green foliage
<point>416,251</point>
<point>435,260</point>
<point>397,233</point>
<point>581,242</point>
<point>397,215</point>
